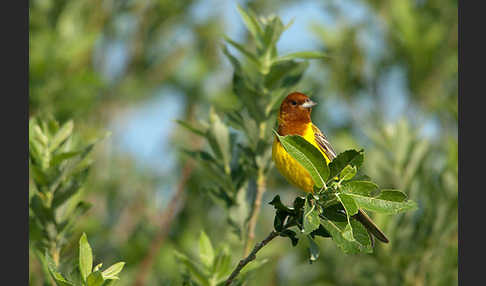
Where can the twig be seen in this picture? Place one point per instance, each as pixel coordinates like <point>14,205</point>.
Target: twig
<point>166,219</point>
<point>250,257</point>
<point>175,204</point>
<point>261,187</point>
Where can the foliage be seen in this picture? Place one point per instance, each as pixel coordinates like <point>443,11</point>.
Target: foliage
<point>58,166</point>
<point>259,83</point>
<point>98,64</point>
<point>85,274</point>
<point>331,208</point>
<point>213,266</point>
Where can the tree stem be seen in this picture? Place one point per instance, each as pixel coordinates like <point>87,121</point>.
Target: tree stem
<point>261,187</point>
<point>250,257</point>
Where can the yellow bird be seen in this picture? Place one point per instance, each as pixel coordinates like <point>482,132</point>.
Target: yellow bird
<point>294,118</point>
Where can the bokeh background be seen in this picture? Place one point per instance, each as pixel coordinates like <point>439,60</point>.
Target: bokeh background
<point>132,68</point>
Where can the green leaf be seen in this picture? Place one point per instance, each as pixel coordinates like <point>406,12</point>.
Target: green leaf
<point>348,232</point>
<point>233,60</point>
<point>349,157</point>
<point>348,204</point>
<point>59,158</point>
<point>97,267</point>
<point>313,249</point>
<point>206,252</point>
<point>348,172</point>
<point>200,275</point>
<point>75,276</point>
<point>239,212</point>
<point>308,156</point>
<point>244,51</point>
<point>67,192</point>
<point>354,231</point>
<point>361,235</point>
<point>111,282</point>
<point>61,135</point>
<point>272,31</point>
<point>222,265</point>
<point>285,74</point>
<point>40,136</point>
<point>251,23</point>
<point>392,195</point>
<point>112,271</point>
<point>345,245</point>
<point>196,130</point>
<point>243,87</point>
<point>383,206</point>
<point>303,55</point>
<point>85,257</point>
<point>311,219</point>
<point>363,188</point>
<point>56,275</point>
<point>95,279</point>
<point>335,213</point>
<point>212,168</point>
<point>72,215</point>
<point>255,264</point>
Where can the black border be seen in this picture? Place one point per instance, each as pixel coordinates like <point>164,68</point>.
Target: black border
<point>471,144</point>
<point>14,119</point>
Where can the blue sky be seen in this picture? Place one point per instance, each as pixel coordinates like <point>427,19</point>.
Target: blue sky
<point>143,130</point>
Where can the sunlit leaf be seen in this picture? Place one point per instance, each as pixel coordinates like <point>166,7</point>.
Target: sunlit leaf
<point>206,252</point>
<point>251,23</point>
<point>348,172</point>
<point>383,206</point>
<point>307,155</point>
<point>392,195</point>
<point>348,203</point>
<point>200,275</point>
<point>95,279</point>
<point>311,219</point>
<point>303,55</point>
<point>62,134</point>
<point>363,188</point>
<point>349,157</point>
<point>112,271</point>
<point>85,257</point>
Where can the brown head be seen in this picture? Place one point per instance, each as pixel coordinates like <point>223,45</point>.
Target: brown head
<point>294,114</point>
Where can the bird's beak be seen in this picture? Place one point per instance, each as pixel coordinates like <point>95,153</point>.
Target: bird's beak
<point>308,104</point>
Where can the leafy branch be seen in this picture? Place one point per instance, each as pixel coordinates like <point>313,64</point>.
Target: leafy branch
<point>85,274</point>
<point>330,211</point>
<point>250,257</point>
<point>238,159</point>
<point>59,166</point>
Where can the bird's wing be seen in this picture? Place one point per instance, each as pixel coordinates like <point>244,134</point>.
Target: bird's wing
<point>323,143</point>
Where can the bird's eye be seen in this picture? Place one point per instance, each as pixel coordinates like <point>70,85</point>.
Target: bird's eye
<point>293,102</point>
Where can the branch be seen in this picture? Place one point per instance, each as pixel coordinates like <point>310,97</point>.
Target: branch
<point>261,187</point>
<point>173,208</point>
<point>166,220</point>
<point>250,257</point>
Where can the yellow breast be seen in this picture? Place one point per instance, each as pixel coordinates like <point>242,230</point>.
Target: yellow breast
<point>290,168</point>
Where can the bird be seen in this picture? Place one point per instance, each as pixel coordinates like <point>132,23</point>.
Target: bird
<point>294,118</point>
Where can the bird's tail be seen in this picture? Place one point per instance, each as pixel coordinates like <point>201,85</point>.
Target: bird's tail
<point>363,218</point>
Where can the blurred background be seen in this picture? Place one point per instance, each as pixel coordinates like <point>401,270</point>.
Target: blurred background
<point>132,68</point>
